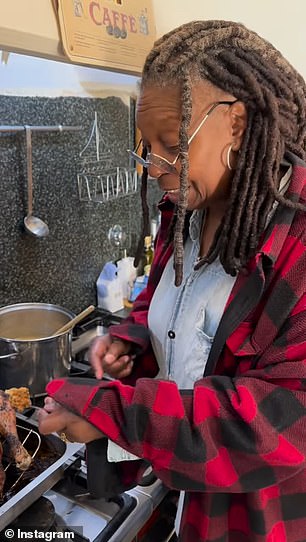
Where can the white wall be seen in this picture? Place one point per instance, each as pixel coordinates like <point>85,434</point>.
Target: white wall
<point>282,22</point>
<point>31,76</point>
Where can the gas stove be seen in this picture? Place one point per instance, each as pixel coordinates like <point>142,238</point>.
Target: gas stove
<point>64,503</point>
<point>68,507</point>
<point>84,333</point>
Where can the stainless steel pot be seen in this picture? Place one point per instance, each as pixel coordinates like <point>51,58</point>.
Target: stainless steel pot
<point>29,353</point>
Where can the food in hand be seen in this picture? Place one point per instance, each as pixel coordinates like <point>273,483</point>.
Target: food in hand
<point>8,432</point>
<point>2,473</point>
<point>19,398</point>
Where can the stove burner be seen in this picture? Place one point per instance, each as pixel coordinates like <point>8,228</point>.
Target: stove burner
<point>87,330</point>
<point>99,317</point>
<point>40,516</point>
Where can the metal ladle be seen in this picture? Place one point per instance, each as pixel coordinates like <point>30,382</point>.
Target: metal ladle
<point>32,224</point>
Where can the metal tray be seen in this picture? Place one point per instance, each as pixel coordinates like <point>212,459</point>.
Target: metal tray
<point>28,494</point>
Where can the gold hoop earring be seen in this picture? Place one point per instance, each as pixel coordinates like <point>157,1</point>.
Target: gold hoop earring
<point>228,154</point>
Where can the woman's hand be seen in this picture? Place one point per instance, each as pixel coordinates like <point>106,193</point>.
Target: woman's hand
<point>111,356</point>
<point>54,418</point>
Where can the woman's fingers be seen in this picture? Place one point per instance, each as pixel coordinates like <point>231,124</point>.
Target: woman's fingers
<point>120,367</point>
<point>42,414</point>
<point>82,431</point>
<point>110,356</point>
<point>126,370</point>
<point>75,428</point>
<point>97,352</point>
<point>54,422</point>
<point>51,405</point>
<point>54,417</point>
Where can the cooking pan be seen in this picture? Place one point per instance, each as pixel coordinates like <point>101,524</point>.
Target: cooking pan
<point>47,469</point>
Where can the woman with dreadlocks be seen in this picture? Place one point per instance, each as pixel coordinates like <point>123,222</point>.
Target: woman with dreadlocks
<point>222,323</point>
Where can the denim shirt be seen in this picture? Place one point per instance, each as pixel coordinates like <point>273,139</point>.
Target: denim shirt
<point>183,320</point>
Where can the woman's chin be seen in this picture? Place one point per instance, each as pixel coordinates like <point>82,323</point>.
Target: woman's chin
<point>193,202</point>
<point>174,196</point>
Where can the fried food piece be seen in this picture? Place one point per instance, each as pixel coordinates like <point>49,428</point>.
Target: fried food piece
<point>19,398</point>
<point>8,431</point>
<point>2,473</point>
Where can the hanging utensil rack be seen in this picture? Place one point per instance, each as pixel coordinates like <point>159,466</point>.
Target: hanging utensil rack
<point>103,186</point>
<point>98,181</point>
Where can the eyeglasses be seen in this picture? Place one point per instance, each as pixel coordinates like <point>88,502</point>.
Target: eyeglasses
<point>162,163</point>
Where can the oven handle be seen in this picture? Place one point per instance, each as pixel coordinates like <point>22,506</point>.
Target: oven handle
<point>126,504</point>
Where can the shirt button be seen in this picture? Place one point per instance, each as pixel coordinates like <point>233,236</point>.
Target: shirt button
<point>171,334</point>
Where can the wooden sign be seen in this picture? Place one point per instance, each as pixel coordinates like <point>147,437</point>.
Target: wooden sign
<point>115,34</point>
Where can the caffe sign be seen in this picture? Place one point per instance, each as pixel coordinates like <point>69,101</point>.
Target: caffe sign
<point>115,34</point>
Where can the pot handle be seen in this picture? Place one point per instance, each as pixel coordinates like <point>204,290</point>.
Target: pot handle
<point>11,354</point>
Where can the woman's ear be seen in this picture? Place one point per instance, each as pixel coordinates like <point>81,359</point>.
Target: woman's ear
<point>239,118</point>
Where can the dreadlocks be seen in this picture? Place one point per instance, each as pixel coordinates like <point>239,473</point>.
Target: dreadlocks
<point>241,63</point>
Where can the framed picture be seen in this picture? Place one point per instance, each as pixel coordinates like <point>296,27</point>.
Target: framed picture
<point>112,34</point>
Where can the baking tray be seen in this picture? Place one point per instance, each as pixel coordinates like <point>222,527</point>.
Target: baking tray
<point>29,490</point>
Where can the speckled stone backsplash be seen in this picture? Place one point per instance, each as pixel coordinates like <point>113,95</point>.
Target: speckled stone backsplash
<point>63,267</point>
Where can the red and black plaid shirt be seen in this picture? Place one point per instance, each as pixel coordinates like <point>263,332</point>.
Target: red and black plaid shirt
<point>236,443</point>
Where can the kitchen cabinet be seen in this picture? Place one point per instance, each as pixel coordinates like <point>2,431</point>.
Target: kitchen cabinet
<point>30,28</point>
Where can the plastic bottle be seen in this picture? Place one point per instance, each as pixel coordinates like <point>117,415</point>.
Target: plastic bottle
<point>109,288</point>
<point>147,257</point>
<point>143,269</point>
<point>127,276</point>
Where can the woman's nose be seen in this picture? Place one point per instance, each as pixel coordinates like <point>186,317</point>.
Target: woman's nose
<point>154,172</point>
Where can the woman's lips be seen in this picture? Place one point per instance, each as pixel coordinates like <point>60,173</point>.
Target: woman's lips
<point>173,191</point>
<point>174,196</point>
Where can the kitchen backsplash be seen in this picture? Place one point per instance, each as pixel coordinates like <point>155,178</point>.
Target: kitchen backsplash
<point>63,267</point>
